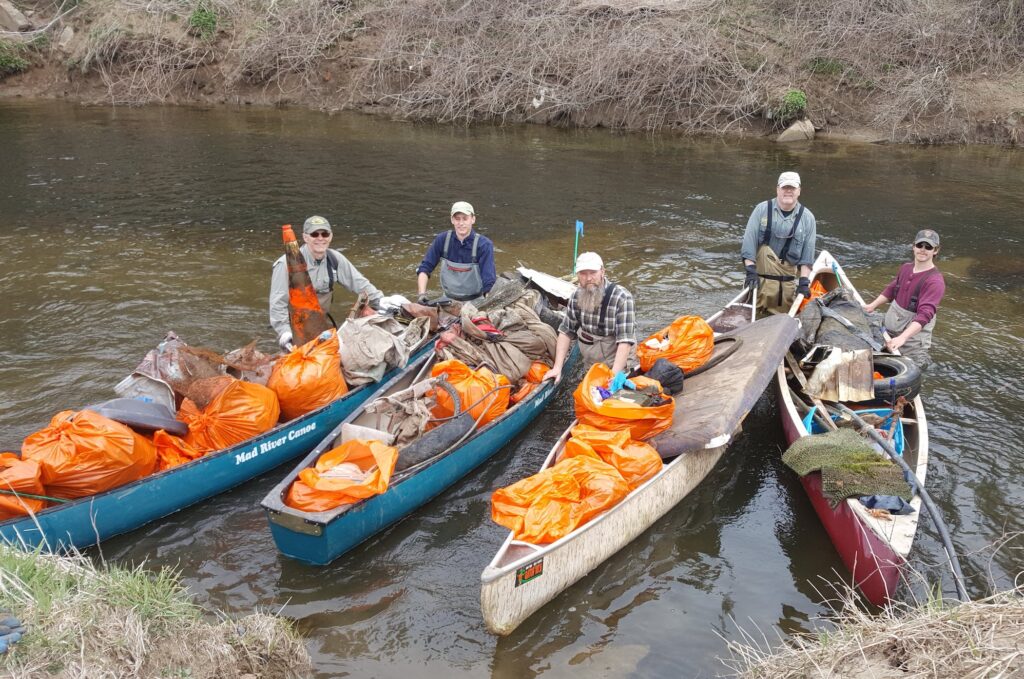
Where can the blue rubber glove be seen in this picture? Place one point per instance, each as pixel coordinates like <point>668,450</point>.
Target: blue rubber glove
<point>619,381</point>
<point>11,631</point>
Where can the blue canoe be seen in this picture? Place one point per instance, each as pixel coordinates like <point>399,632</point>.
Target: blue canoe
<point>444,455</point>
<point>89,520</point>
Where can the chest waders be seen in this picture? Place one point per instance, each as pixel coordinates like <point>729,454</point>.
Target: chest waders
<point>897,319</point>
<point>601,348</point>
<point>326,298</point>
<point>461,281</point>
<point>778,277</point>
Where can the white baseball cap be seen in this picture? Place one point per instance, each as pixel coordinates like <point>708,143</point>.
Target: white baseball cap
<point>789,179</point>
<point>589,261</point>
<point>463,207</point>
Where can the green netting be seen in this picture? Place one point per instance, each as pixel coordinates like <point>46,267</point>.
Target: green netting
<point>849,465</point>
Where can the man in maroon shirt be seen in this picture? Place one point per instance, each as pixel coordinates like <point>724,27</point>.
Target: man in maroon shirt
<point>915,294</point>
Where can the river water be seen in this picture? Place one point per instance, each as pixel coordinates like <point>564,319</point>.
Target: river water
<point>118,225</point>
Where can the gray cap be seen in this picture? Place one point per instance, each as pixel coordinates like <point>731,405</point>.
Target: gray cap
<point>317,223</point>
<point>927,236</point>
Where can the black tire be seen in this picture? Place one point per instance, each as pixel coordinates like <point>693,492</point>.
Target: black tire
<point>900,377</point>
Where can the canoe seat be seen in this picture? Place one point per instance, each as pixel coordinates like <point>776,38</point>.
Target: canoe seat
<point>351,431</point>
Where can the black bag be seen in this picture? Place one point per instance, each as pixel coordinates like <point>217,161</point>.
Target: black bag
<point>668,374</point>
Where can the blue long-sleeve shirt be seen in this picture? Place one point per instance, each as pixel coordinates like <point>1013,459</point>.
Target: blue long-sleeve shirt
<point>462,253</point>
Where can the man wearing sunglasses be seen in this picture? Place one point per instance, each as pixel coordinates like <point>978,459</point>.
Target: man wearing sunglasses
<point>915,294</point>
<point>778,247</point>
<point>327,267</point>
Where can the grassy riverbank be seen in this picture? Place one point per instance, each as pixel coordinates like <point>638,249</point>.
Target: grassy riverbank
<point>976,639</point>
<point>85,621</point>
<point>899,70</point>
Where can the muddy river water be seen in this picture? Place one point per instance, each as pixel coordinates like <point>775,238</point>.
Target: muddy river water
<point>117,225</point>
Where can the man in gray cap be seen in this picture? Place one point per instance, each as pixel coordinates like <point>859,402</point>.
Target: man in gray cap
<point>327,267</point>
<point>915,294</point>
<point>778,241</point>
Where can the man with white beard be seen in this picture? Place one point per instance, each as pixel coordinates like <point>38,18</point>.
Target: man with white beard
<point>601,317</point>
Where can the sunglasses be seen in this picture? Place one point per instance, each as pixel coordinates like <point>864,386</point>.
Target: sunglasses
<point>924,246</point>
<point>320,234</point>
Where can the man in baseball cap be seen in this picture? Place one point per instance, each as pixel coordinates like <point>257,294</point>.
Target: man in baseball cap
<point>327,267</point>
<point>778,247</point>
<point>915,293</point>
<point>466,259</point>
<point>602,318</point>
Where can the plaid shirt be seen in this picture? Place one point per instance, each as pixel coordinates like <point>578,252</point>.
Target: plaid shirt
<point>619,321</point>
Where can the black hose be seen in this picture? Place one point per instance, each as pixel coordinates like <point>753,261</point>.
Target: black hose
<point>933,511</point>
<point>715,360</point>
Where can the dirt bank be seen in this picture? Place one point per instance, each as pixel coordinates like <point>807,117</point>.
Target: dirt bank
<point>930,71</point>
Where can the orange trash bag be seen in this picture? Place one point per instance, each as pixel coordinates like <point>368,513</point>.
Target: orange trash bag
<point>551,504</point>
<point>172,451</point>
<point>688,343</point>
<point>308,377</point>
<point>614,414</point>
<point>537,371</point>
<point>19,476</point>
<point>353,471</point>
<point>83,453</point>
<point>241,411</point>
<point>635,460</point>
<point>472,386</point>
<point>817,290</point>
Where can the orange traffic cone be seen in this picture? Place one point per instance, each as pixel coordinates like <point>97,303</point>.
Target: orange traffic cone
<point>304,313</point>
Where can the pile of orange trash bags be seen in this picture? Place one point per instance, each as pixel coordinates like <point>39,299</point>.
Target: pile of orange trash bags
<point>472,386</point>
<point>83,453</point>
<point>239,412</point>
<point>309,376</point>
<point>613,414</point>
<point>594,472</point>
<point>353,471</point>
<point>688,342</point>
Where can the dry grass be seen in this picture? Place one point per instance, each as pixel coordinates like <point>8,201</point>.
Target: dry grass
<point>904,66</point>
<point>639,65</point>
<point>983,638</point>
<point>85,621</point>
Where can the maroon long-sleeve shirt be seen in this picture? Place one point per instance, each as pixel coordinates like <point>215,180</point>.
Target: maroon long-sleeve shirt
<point>928,298</point>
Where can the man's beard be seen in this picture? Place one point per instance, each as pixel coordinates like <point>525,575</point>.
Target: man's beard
<point>590,297</point>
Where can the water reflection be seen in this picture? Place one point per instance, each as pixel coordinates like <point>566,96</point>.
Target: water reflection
<point>118,225</point>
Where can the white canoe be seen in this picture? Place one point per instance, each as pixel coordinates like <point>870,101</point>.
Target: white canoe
<point>523,577</point>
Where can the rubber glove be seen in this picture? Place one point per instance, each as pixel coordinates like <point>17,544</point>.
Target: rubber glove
<point>619,381</point>
<point>751,280</point>
<point>285,342</point>
<point>803,287</point>
<point>423,298</point>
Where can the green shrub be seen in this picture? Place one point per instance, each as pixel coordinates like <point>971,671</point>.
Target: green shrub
<point>826,66</point>
<point>12,58</point>
<point>203,22</point>
<point>793,105</point>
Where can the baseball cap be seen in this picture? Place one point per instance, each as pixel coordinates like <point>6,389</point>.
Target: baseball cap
<point>317,223</point>
<point>589,261</point>
<point>927,236</point>
<point>789,179</point>
<point>463,207</point>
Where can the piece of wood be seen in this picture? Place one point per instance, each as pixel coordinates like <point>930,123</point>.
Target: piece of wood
<point>855,376</point>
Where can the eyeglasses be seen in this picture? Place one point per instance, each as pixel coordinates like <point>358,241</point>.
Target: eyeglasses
<point>924,246</point>
<point>320,234</point>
